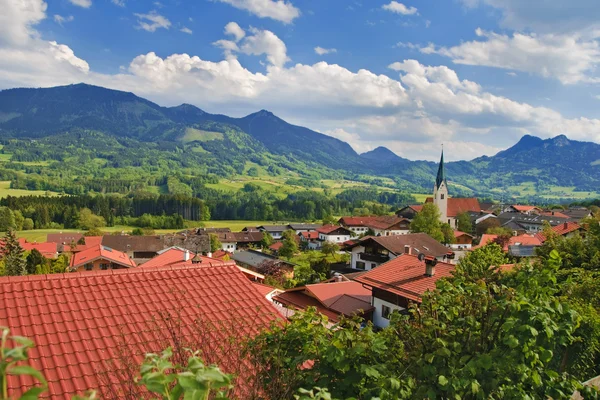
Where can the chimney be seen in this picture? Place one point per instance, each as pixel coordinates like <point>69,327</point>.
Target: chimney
<point>209,254</point>
<point>566,225</point>
<point>407,249</point>
<point>186,255</point>
<point>430,263</point>
<point>337,277</point>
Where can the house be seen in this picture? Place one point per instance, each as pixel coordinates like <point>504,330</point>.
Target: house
<point>247,239</point>
<point>228,241</point>
<point>333,299</point>
<point>303,227</point>
<point>64,238</point>
<point>400,282</point>
<point>276,231</point>
<point>143,248</point>
<point>100,258</point>
<point>566,229</point>
<point>372,251</point>
<point>84,243</point>
<point>85,324</point>
<point>409,212</point>
<point>47,249</point>
<point>520,244</point>
<point>530,223</point>
<point>450,207</point>
<point>524,209</point>
<point>310,238</point>
<point>330,233</point>
<point>263,263</point>
<point>462,241</point>
<point>177,256</point>
<point>385,225</point>
<point>275,247</point>
<point>576,214</point>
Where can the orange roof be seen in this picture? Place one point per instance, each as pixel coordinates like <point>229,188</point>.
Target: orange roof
<point>522,208</point>
<point>176,255</point>
<point>48,249</point>
<point>101,252</point>
<point>220,254</point>
<point>459,205</point>
<point>460,233</point>
<point>262,288</point>
<point>329,292</point>
<point>276,246</point>
<point>523,240</point>
<point>82,323</point>
<point>561,229</point>
<point>405,276</point>
<point>90,241</point>
<point>327,229</point>
<point>376,222</point>
<point>417,207</point>
<point>310,235</point>
<point>555,214</point>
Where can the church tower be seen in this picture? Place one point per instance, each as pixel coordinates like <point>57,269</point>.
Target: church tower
<point>440,191</point>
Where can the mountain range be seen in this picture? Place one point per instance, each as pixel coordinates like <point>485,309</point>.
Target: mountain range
<point>44,113</point>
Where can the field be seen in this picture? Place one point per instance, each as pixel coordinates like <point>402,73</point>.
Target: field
<point>5,190</point>
<point>551,193</point>
<point>192,135</point>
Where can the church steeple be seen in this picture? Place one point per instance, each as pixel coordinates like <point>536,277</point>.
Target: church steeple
<point>441,174</point>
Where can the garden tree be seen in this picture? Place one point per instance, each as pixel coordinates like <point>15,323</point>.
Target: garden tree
<point>137,232</point>
<point>485,225</point>
<point>92,232</point>
<point>490,338</point>
<point>482,263</point>
<point>351,361</point>
<point>7,219</point>
<point>329,220</point>
<point>330,248</point>
<point>28,224</point>
<point>215,243</point>
<point>428,221</point>
<point>290,244</point>
<point>88,220</point>
<point>499,230</point>
<point>464,224</point>
<point>448,233</point>
<point>267,240</point>
<point>14,262</point>
<point>35,260</point>
<point>19,220</point>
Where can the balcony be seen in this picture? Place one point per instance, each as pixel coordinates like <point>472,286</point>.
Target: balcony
<point>378,258</point>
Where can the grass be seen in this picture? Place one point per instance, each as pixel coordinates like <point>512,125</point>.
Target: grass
<point>421,197</point>
<point>5,157</point>
<point>192,134</point>
<point>39,235</point>
<point>5,190</point>
<point>237,226</point>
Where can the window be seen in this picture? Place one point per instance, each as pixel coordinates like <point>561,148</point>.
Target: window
<point>373,265</point>
<point>385,311</point>
<point>442,196</point>
<point>88,267</point>
<point>103,267</point>
<point>360,265</point>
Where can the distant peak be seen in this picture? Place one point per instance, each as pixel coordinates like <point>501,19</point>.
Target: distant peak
<point>560,140</point>
<point>264,113</point>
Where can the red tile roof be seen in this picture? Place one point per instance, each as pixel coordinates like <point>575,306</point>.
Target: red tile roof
<point>555,214</point>
<point>90,241</point>
<point>312,235</point>
<point>417,207</point>
<point>562,229</point>
<point>48,249</point>
<point>176,255</point>
<point>220,254</point>
<point>101,252</point>
<point>375,222</point>
<point>405,276</point>
<point>328,229</point>
<point>460,233</point>
<point>523,240</point>
<point>263,289</point>
<point>458,205</point>
<point>276,246</point>
<point>331,298</point>
<point>523,208</point>
<point>81,322</point>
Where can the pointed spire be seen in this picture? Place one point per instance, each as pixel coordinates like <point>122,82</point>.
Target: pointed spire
<point>441,174</point>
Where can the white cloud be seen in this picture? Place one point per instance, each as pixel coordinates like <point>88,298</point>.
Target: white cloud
<point>186,30</point>
<point>320,50</point>
<point>120,3</point>
<point>399,8</point>
<point>235,30</point>
<point>59,19</point>
<point>279,10</point>
<point>152,21</point>
<point>511,73</point>
<point>259,42</point>
<point>82,3</point>
<point>548,16</point>
<point>17,19</point>
<point>567,58</point>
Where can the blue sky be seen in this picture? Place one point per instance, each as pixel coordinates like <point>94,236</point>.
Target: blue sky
<point>409,75</point>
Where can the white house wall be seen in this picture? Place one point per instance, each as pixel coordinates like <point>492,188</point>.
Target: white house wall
<point>378,320</point>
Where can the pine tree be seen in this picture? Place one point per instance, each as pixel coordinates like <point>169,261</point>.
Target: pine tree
<point>14,262</point>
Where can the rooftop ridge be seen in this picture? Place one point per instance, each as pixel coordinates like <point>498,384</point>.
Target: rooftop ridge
<point>134,270</point>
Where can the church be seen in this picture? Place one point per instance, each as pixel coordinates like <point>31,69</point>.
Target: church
<point>450,207</point>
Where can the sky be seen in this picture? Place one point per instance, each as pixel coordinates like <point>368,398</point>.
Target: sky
<point>410,75</point>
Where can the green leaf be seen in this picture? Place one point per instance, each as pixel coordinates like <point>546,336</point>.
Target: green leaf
<point>27,370</point>
<point>442,380</point>
<point>33,393</point>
